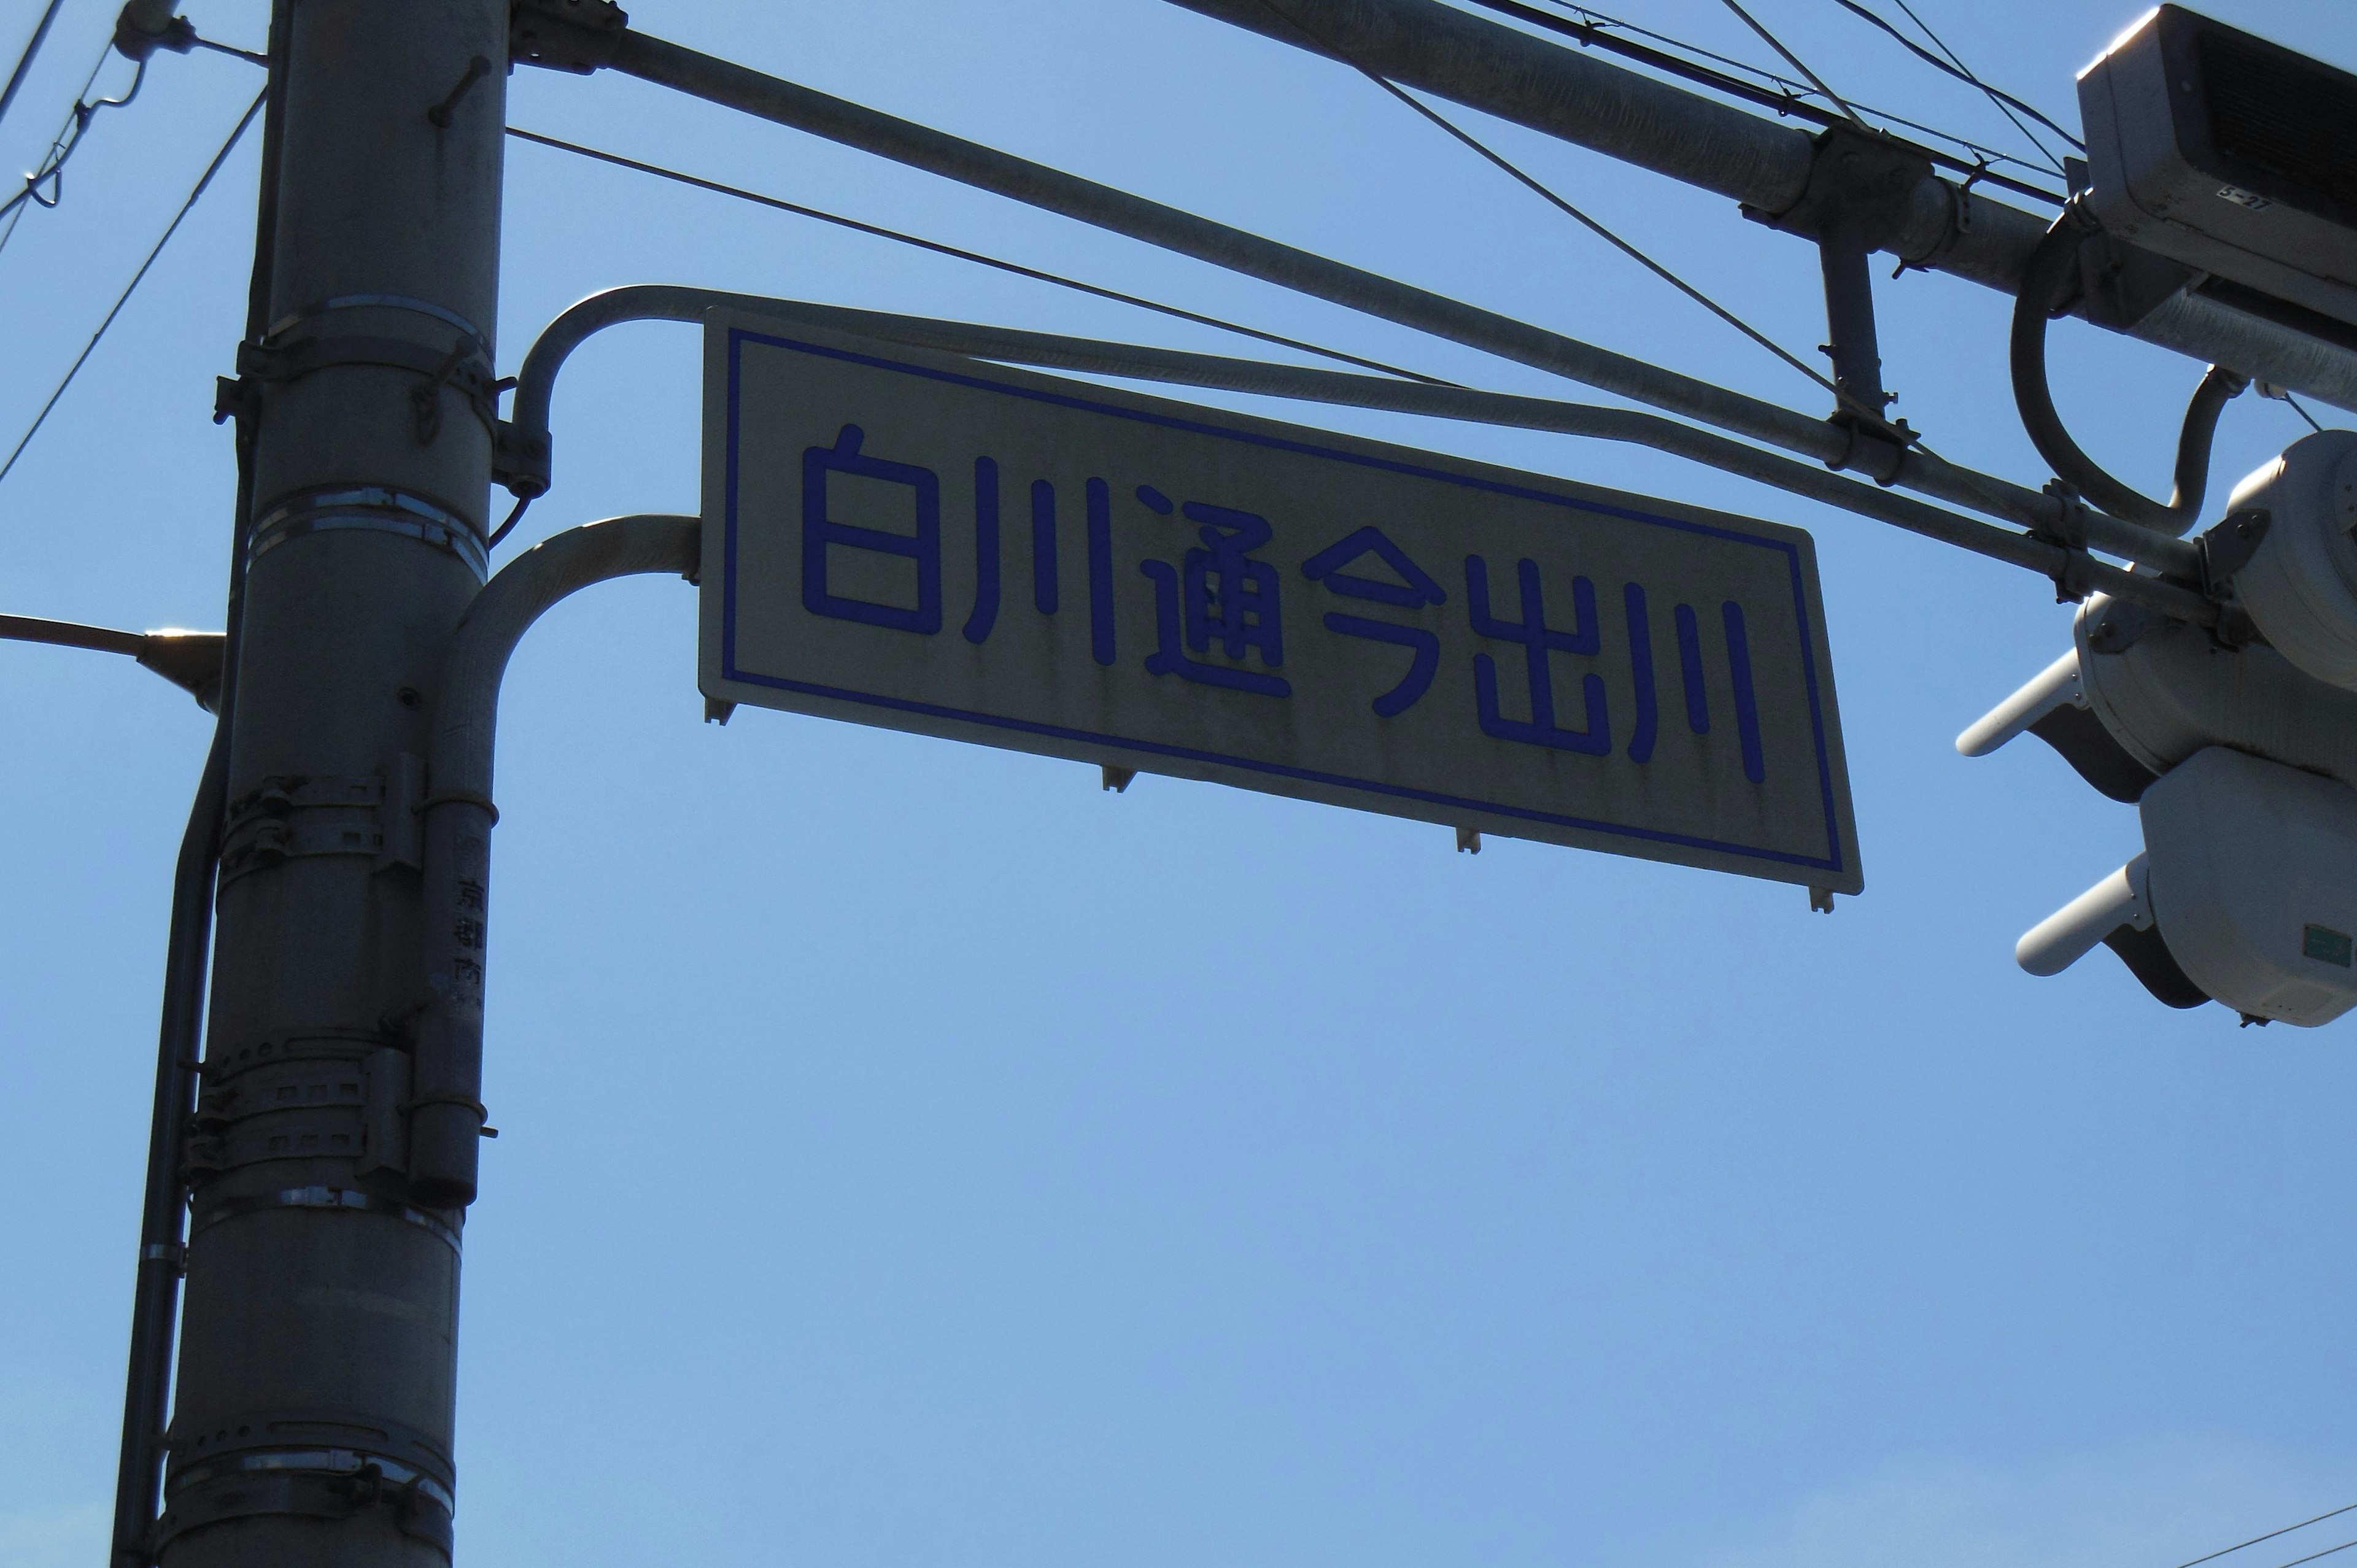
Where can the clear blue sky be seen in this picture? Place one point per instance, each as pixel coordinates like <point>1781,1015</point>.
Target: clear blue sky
<point>914,1155</point>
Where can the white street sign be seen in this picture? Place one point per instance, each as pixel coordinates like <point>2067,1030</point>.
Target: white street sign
<point>913,539</point>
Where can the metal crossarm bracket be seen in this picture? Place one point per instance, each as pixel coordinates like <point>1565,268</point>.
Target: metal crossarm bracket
<point>2120,284</point>
<point>2228,548</point>
<point>1863,179</point>
<point>566,34</point>
<point>1861,190</point>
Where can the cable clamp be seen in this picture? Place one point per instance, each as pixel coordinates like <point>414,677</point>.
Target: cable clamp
<point>521,460</point>
<point>2073,578</point>
<point>1860,178</point>
<point>462,798</point>
<point>1876,448</point>
<point>2067,525</point>
<point>2228,548</point>
<point>577,36</point>
<point>235,397</point>
<point>464,369</point>
<point>483,1128</point>
<point>464,1101</point>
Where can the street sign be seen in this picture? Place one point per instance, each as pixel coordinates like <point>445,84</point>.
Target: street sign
<point>932,543</point>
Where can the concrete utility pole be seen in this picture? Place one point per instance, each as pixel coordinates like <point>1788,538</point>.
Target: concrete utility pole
<point>314,1415</point>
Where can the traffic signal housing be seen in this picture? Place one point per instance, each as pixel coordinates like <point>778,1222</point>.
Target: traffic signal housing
<point>2240,756</point>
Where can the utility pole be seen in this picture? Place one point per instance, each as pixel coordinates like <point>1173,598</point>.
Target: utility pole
<point>315,1406</point>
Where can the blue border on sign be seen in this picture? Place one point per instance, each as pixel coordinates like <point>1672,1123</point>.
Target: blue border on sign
<point>738,335</point>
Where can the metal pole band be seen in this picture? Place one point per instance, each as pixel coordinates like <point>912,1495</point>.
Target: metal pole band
<point>314,1482</point>
<point>326,1198</point>
<point>375,507</point>
<point>448,318</point>
<point>327,1461</point>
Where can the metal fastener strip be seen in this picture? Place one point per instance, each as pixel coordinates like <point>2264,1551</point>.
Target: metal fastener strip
<point>293,319</point>
<point>326,1198</point>
<point>372,507</point>
<point>326,1460</point>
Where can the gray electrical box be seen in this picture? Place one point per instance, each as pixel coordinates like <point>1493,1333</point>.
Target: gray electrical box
<point>2216,148</point>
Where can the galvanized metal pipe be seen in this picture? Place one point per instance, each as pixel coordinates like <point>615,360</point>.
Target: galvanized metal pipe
<point>1054,190</point>
<point>920,147</point>
<point>459,813</point>
<point>1669,131</point>
<point>1565,92</point>
<point>155,1292</point>
<point>535,384</point>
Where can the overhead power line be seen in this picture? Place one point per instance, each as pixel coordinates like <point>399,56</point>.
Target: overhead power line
<point>51,172</point>
<point>1797,64</point>
<point>170,229</point>
<point>2312,1556</point>
<point>938,248</point>
<point>1593,30</point>
<point>1955,66</point>
<point>24,60</point>
<point>2319,1519</point>
<point>1327,46</point>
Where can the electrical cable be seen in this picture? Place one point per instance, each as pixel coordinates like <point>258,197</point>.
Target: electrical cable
<point>1955,66</point>
<point>2052,265</point>
<point>1788,99</point>
<point>170,229</point>
<point>1326,45</point>
<point>938,248</point>
<point>52,170</point>
<point>2270,1535</point>
<point>1797,64</point>
<point>515,515</point>
<point>2303,413</point>
<point>2000,99</point>
<point>24,60</point>
<point>2312,1556</point>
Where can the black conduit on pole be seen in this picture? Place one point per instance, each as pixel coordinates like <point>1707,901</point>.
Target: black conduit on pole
<point>157,1295</point>
<point>2052,265</point>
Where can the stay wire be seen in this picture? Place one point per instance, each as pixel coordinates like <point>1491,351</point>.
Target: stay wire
<point>170,229</point>
<point>24,60</point>
<point>1954,65</point>
<point>1623,246</point>
<point>1538,187</point>
<point>1797,64</point>
<point>2270,1535</point>
<point>938,248</point>
<point>2300,410</point>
